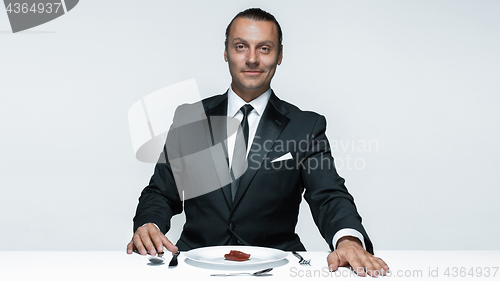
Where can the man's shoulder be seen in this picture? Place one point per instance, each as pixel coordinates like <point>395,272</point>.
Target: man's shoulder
<point>295,111</point>
<point>213,100</point>
<point>201,105</point>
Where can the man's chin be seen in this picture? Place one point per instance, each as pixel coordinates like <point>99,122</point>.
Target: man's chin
<point>252,86</point>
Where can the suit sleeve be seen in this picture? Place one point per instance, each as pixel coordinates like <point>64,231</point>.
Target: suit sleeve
<point>160,200</point>
<point>331,204</point>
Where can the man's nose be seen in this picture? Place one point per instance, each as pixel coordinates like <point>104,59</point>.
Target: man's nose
<point>252,58</point>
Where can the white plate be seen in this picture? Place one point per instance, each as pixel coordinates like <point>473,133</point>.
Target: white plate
<point>215,255</point>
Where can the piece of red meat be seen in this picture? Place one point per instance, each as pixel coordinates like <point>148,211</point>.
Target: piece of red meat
<point>237,256</point>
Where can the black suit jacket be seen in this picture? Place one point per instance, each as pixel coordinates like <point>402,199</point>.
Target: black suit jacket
<point>265,209</point>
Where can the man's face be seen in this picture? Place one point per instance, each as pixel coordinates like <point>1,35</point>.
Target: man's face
<point>253,52</point>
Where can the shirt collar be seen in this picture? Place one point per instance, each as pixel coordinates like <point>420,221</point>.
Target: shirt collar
<point>234,102</point>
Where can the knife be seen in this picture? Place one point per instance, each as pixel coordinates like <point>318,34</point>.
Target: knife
<point>173,261</point>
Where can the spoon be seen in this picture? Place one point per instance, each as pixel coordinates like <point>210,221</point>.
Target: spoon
<point>257,273</point>
<point>157,259</point>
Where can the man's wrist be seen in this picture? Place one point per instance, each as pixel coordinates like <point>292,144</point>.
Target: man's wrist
<point>347,232</point>
<point>153,224</point>
<point>348,240</point>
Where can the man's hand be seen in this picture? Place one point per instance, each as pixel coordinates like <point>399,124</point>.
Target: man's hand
<point>149,239</point>
<point>350,252</point>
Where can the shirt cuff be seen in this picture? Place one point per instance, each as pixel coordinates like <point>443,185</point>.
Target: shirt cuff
<point>152,223</point>
<point>348,232</point>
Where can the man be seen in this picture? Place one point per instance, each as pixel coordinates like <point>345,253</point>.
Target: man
<point>288,154</point>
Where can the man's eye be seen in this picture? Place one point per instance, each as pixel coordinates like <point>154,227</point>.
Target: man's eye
<point>265,49</point>
<point>240,47</point>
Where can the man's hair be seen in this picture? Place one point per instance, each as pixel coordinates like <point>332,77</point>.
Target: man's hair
<point>256,14</point>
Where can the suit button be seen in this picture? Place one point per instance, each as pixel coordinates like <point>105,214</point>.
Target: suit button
<point>231,226</point>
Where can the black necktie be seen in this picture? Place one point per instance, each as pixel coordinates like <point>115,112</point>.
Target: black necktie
<point>246,109</point>
<point>239,155</point>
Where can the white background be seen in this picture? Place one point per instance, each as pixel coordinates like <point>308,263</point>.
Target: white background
<point>420,79</point>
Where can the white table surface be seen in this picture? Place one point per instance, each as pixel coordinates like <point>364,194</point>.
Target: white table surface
<point>117,265</point>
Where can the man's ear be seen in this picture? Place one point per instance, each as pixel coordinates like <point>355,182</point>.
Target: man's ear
<point>225,54</point>
<point>280,56</point>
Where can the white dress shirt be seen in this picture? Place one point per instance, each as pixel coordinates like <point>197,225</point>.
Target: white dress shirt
<point>234,103</point>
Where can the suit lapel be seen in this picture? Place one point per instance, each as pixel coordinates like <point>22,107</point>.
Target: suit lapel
<point>271,124</point>
<point>217,123</point>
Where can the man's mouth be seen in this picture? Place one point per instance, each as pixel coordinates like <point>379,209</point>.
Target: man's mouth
<point>252,72</point>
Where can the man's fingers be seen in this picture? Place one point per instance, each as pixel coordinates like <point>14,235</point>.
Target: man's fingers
<point>351,253</point>
<point>138,244</point>
<point>368,265</point>
<point>361,262</point>
<point>335,260</point>
<point>155,235</point>
<point>374,266</point>
<point>149,239</point>
<point>130,247</point>
<point>160,240</point>
<point>364,260</point>
<point>169,245</point>
<point>356,264</point>
<point>379,266</point>
<point>383,264</point>
<point>148,244</point>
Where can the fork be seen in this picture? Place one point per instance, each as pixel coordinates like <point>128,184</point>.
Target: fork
<point>302,261</point>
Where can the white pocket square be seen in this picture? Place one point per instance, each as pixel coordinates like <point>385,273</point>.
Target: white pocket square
<point>283,158</point>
